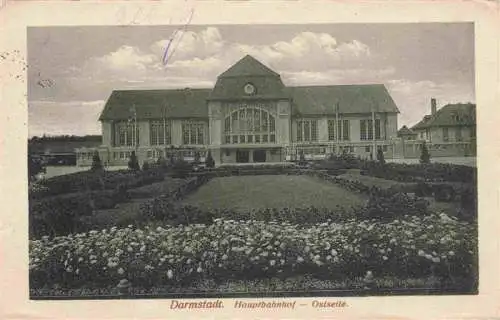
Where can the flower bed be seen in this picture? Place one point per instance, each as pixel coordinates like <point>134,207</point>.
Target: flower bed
<point>408,247</point>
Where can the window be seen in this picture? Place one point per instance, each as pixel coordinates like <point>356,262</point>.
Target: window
<point>362,129</point>
<point>345,130</point>
<point>368,149</point>
<point>193,132</point>
<point>331,130</point>
<point>228,153</point>
<point>159,133</point>
<point>246,124</point>
<point>384,148</point>
<point>445,134</point>
<point>377,129</point>
<point>307,130</point>
<point>124,134</point>
<point>458,134</point>
<point>366,129</point>
<point>473,132</point>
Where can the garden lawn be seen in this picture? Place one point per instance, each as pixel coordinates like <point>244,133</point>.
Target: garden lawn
<point>272,191</point>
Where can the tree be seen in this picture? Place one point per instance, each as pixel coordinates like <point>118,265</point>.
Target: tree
<point>197,157</point>
<point>35,167</point>
<point>302,157</point>
<point>425,157</point>
<point>380,156</point>
<point>209,161</point>
<point>161,162</point>
<point>96,162</point>
<point>133,163</point>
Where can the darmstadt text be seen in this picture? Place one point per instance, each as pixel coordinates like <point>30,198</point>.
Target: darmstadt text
<point>206,304</point>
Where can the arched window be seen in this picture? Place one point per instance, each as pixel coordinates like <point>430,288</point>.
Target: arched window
<point>249,124</point>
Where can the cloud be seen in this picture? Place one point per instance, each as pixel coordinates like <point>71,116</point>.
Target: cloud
<point>187,45</point>
<point>338,76</point>
<point>413,98</point>
<point>206,54</point>
<point>126,58</point>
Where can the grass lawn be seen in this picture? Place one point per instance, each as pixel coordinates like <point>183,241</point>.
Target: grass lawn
<point>272,191</point>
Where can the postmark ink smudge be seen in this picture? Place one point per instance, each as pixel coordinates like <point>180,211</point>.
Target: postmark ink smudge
<point>168,53</point>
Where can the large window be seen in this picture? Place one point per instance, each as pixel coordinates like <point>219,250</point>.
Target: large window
<point>343,130</point>
<point>446,136</point>
<point>331,130</point>
<point>307,130</point>
<point>366,129</point>
<point>249,124</point>
<point>458,134</point>
<point>193,132</point>
<point>159,133</point>
<point>124,134</point>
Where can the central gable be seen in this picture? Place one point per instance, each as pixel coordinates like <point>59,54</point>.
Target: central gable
<point>248,72</point>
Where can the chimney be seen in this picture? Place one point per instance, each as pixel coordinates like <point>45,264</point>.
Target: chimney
<point>433,106</point>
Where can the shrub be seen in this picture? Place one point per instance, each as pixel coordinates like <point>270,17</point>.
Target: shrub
<point>35,167</point>
<point>162,163</point>
<point>197,157</point>
<point>209,161</point>
<point>380,156</point>
<point>133,163</point>
<point>389,206</point>
<point>96,162</point>
<point>443,192</point>
<point>181,169</point>
<point>63,214</point>
<point>425,157</point>
<point>145,166</point>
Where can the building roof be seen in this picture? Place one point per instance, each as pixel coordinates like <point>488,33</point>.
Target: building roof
<point>248,66</point>
<point>421,124</point>
<point>459,114</point>
<point>405,131</point>
<point>321,100</point>
<point>151,104</point>
<point>192,103</point>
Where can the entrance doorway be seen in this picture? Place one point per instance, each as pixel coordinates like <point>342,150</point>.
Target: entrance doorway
<point>242,156</point>
<point>259,156</point>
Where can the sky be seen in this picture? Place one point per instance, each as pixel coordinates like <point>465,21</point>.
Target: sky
<point>73,70</point>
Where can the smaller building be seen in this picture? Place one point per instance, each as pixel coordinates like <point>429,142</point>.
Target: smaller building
<point>449,131</point>
<point>406,133</point>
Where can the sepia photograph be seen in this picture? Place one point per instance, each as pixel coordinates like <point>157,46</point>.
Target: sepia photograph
<point>252,160</point>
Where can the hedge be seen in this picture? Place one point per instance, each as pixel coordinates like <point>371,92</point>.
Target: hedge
<point>66,213</point>
<point>89,180</point>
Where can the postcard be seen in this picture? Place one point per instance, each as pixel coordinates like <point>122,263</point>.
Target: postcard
<point>246,159</point>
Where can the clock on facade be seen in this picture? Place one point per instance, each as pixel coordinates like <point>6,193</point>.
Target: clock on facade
<point>249,88</point>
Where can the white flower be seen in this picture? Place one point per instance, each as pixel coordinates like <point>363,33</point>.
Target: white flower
<point>451,253</point>
<point>121,271</point>
<point>170,274</point>
<point>334,252</point>
<point>272,262</point>
<point>436,259</point>
<point>421,253</point>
